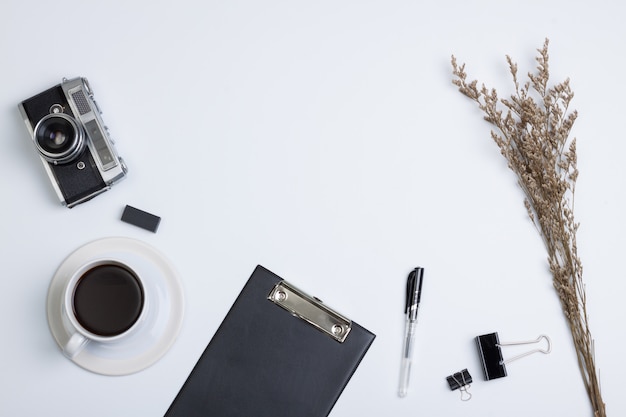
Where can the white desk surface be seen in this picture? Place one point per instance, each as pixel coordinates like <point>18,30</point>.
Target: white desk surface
<point>325,141</point>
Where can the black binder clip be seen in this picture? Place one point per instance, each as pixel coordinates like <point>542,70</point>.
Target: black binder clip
<point>491,355</point>
<point>461,381</point>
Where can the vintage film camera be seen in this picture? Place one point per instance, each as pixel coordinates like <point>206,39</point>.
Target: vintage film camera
<point>73,142</point>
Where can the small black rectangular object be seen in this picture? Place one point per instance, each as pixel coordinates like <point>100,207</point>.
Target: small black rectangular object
<point>459,379</point>
<point>491,356</point>
<point>141,218</point>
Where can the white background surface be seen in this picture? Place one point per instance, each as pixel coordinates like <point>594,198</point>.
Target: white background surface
<point>323,140</point>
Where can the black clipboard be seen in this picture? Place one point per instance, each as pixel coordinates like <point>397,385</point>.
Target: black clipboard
<point>278,353</point>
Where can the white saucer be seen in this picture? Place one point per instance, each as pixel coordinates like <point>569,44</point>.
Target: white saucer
<point>157,334</point>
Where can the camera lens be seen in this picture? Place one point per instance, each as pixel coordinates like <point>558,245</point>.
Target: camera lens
<point>59,138</point>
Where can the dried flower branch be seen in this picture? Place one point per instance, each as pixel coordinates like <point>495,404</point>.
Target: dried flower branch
<point>531,128</point>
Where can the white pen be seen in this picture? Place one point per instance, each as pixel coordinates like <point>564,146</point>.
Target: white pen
<point>413,294</point>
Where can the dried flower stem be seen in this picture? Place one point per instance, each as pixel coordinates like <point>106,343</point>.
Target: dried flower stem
<point>531,128</point>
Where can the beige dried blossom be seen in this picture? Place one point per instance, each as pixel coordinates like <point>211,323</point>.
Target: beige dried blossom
<point>532,129</point>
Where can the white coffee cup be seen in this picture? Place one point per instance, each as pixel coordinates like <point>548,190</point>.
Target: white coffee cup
<point>104,301</point>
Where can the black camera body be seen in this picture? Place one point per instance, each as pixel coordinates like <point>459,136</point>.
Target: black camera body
<point>74,144</point>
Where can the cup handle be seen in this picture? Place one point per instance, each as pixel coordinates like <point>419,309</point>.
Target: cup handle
<point>75,345</point>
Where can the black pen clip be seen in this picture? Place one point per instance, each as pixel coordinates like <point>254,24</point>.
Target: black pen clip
<point>413,292</point>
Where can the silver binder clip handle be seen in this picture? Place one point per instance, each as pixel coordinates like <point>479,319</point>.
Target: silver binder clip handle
<point>547,350</point>
<point>465,394</point>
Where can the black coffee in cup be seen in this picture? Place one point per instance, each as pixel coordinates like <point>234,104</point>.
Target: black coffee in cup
<point>108,299</point>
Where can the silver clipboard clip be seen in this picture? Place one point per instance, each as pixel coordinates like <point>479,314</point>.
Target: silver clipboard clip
<point>311,310</point>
